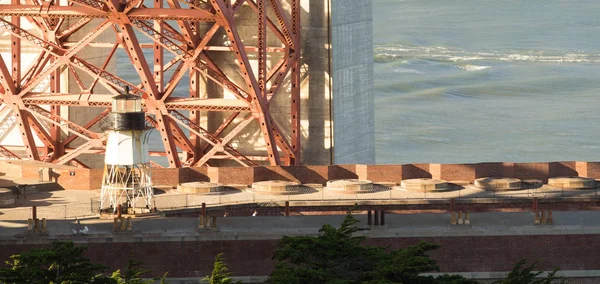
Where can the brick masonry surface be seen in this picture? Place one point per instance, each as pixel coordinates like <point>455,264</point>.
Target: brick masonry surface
<point>253,257</point>
<point>86,179</point>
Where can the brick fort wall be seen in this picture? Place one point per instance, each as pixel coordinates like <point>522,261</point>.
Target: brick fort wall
<point>254,257</point>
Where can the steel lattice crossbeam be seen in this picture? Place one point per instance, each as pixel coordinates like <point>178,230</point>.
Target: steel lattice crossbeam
<point>181,38</point>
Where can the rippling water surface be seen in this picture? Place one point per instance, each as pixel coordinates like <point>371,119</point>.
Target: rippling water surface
<point>474,81</point>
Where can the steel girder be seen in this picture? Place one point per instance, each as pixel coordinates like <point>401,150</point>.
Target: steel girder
<point>181,34</point>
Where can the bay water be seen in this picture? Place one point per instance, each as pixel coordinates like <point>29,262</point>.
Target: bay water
<point>460,81</point>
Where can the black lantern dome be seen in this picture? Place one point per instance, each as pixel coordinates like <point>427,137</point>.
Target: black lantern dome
<point>127,113</point>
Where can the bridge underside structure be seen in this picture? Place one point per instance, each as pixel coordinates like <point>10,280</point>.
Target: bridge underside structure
<point>173,53</point>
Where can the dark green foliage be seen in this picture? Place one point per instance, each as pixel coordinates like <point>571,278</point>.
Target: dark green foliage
<point>220,273</point>
<point>338,256</point>
<point>527,275</point>
<point>132,275</point>
<point>63,262</point>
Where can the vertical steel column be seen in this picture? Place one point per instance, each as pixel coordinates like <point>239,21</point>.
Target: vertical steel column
<point>16,50</point>
<point>295,78</point>
<point>158,53</point>
<point>55,110</point>
<point>14,88</point>
<point>262,47</point>
<point>195,140</point>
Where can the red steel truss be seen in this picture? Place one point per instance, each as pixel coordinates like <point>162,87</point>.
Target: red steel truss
<point>183,30</point>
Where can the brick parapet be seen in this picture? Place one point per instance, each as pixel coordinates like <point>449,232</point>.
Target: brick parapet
<point>86,179</point>
<point>410,171</point>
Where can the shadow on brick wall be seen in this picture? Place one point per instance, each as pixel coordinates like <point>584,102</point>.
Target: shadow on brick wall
<point>561,169</point>
<point>308,174</point>
<point>342,172</point>
<point>193,174</point>
<point>273,173</point>
<point>540,171</point>
<point>415,171</point>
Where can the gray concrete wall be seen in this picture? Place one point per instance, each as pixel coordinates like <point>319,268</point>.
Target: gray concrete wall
<point>352,72</point>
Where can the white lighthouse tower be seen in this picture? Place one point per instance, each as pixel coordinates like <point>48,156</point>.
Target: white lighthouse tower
<point>127,177</point>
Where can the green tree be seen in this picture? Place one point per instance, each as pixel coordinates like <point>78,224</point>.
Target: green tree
<point>63,262</point>
<point>133,271</point>
<point>220,273</point>
<point>337,256</point>
<point>528,275</point>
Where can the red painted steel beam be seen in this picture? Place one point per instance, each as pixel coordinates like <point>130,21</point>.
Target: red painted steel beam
<point>171,14</point>
<point>8,154</point>
<point>211,139</point>
<point>41,133</point>
<point>188,63</point>
<point>259,101</point>
<point>64,34</point>
<point>9,96</point>
<point>60,53</point>
<point>189,46</point>
<point>179,136</point>
<point>95,4</point>
<point>59,121</point>
<point>88,125</point>
<point>237,4</point>
<point>65,158</point>
<point>152,100</point>
<point>277,78</point>
<point>38,65</point>
<point>106,62</point>
<point>56,12</point>
<point>290,40</point>
<point>270,23</point>
<point>220,146</point>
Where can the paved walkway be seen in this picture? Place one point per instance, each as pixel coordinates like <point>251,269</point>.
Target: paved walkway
<point>63,204</point>
<point>274,227</point>
<point>57,197</point>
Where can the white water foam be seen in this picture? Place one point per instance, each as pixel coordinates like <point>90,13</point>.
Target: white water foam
<point>470,67</point>
<point>406,71</point>
<point>457,55</point>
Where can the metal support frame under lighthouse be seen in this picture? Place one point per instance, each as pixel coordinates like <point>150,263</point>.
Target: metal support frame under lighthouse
<point>127,177</point>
